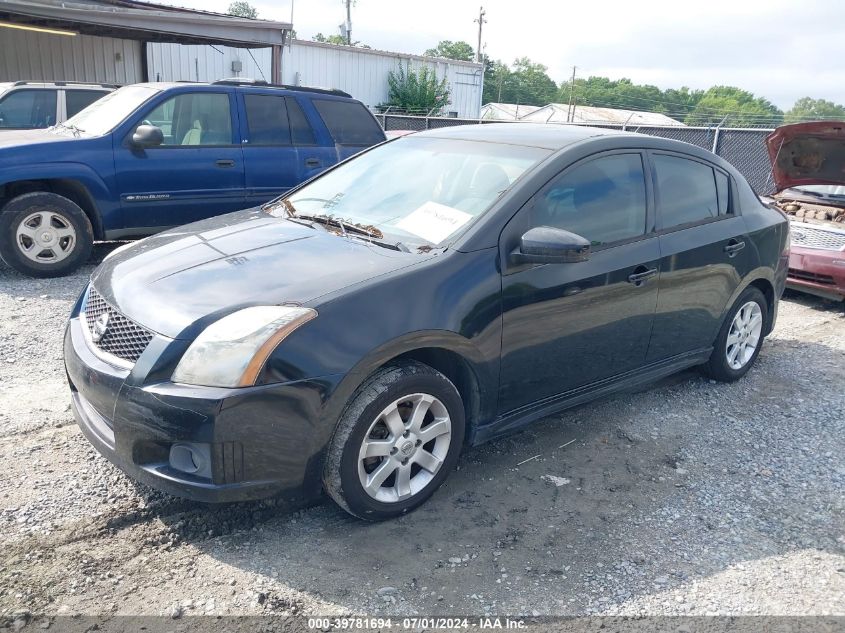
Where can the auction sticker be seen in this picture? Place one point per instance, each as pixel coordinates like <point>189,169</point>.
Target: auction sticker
<point>433,221</point>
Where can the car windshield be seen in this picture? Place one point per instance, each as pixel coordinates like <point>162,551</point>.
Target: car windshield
<point>418,190</point>
<point>105,114</point>
<point>824,191</point>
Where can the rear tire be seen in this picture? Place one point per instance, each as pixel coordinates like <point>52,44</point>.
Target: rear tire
<point>44,235</point>
<point>397,441</point>
<point>740,338</point>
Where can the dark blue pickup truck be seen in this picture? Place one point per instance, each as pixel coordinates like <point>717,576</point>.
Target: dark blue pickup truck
<point>151,156</point>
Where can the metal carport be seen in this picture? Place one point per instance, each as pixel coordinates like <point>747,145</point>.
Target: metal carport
<point>144,22</point>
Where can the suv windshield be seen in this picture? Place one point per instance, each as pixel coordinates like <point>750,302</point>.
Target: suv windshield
<point>105,114</point>
<point>419,190</point>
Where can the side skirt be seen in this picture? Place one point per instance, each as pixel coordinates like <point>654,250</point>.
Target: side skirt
<point>519,418</point>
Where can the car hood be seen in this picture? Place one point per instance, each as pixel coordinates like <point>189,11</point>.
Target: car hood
<point>20,138</point>
<point>177,282</point>
<point>808,154</point>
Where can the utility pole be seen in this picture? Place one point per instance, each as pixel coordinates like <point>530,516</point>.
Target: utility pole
<point>481,20</point>
<point>348,22</point>
<point>570,111</point>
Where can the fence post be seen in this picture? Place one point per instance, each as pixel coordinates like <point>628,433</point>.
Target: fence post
<point>716,134</point>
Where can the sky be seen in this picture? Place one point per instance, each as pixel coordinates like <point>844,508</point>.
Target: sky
<point>778,49</point>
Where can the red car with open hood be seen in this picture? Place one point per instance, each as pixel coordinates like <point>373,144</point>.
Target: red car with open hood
<point>808,168</point>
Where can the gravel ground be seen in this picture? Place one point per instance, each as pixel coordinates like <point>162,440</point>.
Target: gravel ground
<point>688,497</point>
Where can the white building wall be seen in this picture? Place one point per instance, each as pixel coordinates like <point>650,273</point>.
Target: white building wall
<point>45,57</point>
<point>189,62</point>
<point>360,72</point>
<point>363,73</point>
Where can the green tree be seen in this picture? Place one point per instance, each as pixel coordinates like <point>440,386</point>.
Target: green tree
<point>243,9</point>
<point>526,82</point>
<point>452,50</point>
<point>735,108</point>
<point>416,91</point>
<point>496,81</point>
<point>624,94</point>
<point>807,109</point>
<point>338,40</point>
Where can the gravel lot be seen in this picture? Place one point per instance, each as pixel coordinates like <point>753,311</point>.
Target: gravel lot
<point>688,497</point>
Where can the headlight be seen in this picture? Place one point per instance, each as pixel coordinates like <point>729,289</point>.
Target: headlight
<point>230,352</point>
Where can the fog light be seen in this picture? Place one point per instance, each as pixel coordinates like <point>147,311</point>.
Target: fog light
<point>192,458</point>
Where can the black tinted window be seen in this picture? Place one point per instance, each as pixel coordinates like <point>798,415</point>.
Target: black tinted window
<point>349,123</point>
<point>300,129</point>
<point>78,100</point>
<point>686,190</point>
<point>603,201</point>
<point>723,188</point>
<point>28,109</point>
<point>267,119</point>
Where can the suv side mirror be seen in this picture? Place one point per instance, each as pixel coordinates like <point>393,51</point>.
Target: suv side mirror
<point>147,136</point>
<point>548,245</point>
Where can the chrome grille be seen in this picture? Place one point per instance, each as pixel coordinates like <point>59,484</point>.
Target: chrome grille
<point>814,237</point>
<point>123,338</point>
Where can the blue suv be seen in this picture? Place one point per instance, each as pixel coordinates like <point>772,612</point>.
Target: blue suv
<point>151,156</point>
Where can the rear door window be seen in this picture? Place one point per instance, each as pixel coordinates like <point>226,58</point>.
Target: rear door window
<point>28,109</point>
<point>349,122</point>
<point>686,191</point>
<point>267,119</point>
<point>78,100</point>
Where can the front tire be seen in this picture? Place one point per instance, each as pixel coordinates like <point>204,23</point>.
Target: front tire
<point>44,235</point>
<point>396,442</point>
<point>740,338</point>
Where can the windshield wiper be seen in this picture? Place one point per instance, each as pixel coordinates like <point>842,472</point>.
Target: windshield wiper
<point>346,226</point>
<point>76,130</point>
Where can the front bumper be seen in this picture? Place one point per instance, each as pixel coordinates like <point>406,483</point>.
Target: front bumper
<point>816,271</point>
<point>264,441</point>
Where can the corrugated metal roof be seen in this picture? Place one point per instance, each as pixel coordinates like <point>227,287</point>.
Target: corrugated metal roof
<point>376,51</point>
<point>506,111</point>
<point>131,19</point>
<point>559,113</point>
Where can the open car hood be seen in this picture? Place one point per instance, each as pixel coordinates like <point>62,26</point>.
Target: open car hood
<point>808,154</point>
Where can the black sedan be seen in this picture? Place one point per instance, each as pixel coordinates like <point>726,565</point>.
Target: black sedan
<point>434,292</point>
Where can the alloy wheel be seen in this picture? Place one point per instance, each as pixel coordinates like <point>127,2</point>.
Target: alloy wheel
<point>404,448</point>
<point>46,237</point>
<point>744,335</point>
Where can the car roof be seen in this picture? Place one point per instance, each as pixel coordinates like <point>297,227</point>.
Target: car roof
<point>246,85</point>
<point>59,83</point>
<point>545,135</point>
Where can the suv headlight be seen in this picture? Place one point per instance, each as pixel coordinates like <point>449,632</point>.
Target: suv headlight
<point>231,352</point>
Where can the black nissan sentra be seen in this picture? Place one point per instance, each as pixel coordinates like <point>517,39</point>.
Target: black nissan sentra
<point>431,293</point>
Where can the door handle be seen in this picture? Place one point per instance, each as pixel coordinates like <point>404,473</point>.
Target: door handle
<point>225,163</point>
<point>641,274</point>
<point>733,247</point>
<point>312,162</point>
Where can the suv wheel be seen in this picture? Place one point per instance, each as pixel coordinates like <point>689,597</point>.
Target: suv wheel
<point>44,235</point>
<point>396,442</point>
<point>740,339</point>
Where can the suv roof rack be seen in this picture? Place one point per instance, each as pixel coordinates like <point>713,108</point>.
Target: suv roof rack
<point>26,82</point>
<point>236,81</point>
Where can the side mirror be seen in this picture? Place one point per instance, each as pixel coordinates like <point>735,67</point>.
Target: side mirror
<point>548,245</point>
<point>147,136</point>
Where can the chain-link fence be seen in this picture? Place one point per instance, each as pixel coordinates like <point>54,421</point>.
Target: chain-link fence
<point>744,148</point>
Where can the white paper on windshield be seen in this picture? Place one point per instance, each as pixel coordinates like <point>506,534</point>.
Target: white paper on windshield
<point>434,222</point>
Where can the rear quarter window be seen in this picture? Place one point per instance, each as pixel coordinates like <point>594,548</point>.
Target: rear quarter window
<point>77,100</point>
<point>349,122</point>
